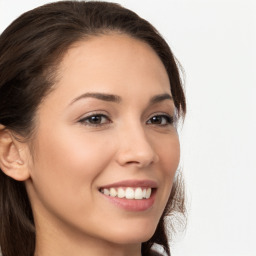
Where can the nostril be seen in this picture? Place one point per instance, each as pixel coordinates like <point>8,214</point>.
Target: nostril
<point>132,162</point>
<point>140,153</point>
<point>141,163</point>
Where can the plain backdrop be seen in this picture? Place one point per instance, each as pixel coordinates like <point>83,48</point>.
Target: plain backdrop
<point>215,41</point>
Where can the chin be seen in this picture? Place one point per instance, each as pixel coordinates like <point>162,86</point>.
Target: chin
<point>132,239</point>
<point>133,234</point>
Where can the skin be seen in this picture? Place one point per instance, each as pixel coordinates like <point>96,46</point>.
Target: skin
<point>71,159</point>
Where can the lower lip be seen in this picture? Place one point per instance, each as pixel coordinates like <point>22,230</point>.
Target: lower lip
<point>135,205</point>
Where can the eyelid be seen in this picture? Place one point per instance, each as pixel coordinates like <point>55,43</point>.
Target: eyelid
<point>169,118</point>
<point>85,117</point>
<point>161,114</point>
<point>92,113</point>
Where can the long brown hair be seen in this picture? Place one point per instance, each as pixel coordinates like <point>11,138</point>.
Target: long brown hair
<point>30,50</point>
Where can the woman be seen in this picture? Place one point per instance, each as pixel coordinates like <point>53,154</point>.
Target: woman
<point>90,94</point>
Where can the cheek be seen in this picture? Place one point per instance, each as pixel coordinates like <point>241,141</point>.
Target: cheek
<point>65,167</point>
<point>169,154</point>
<point>75,153</point>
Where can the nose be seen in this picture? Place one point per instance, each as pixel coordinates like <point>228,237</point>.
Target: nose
<point>136,148</point>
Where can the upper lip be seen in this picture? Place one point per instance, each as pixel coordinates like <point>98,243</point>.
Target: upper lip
<point>132,183</point>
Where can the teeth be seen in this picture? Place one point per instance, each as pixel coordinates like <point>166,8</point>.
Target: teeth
<point>138,193</point>
<point>120,193</point>
<point>128,193</point>
<point>148,193</point>
<point>106,191</point>
<point>144,192</point>
<point>113,192</point>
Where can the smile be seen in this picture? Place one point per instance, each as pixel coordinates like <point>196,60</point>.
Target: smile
<point>131,195</point>
<point>137,193</point>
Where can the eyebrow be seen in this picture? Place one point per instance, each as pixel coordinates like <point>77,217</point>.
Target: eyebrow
<point>159,98</point>
<point>117,99</point>
<point>99,96</point>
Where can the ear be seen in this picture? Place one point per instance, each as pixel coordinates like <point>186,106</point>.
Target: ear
<point>13,160</point>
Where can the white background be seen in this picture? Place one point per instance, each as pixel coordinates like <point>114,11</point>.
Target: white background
<point>216,43</point>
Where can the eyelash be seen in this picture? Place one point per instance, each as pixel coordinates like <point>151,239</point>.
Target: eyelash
<point>86,120</point>
<point>169,120</point>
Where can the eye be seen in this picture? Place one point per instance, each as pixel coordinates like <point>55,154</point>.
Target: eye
<point>161,120</point>
<point>95,120</point>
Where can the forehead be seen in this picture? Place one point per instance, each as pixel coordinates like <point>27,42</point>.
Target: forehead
<point>113,64</point>
<point>119,55</point>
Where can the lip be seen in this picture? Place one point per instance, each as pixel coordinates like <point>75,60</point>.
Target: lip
<point>132,205</point>
<point>132,184</point>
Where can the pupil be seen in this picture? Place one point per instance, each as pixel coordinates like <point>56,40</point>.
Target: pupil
<point>96,119</point>
<point>156,120</point>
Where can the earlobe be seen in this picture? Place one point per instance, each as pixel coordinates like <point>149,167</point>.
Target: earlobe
<point>12,161</point>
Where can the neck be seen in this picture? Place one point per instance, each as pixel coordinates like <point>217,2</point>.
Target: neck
<point>66,247</point>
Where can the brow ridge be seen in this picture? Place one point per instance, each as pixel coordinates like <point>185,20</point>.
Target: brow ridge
<point>99,96</point>
<point>117,99</point>
<point>159,98</point>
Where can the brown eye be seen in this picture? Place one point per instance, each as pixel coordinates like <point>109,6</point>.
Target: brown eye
<point>95,120</point>
<point>160,120</point>
<point>157,120</point>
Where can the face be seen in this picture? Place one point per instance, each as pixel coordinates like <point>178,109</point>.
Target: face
<point>105,138</point>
